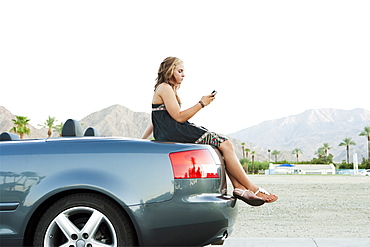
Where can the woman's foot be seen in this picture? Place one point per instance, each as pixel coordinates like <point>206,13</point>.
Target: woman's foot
<point>267,197</point>
<point>248,197</point>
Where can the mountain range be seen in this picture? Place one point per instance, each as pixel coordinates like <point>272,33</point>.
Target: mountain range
<point>307,131</point>
<point>115,120</point>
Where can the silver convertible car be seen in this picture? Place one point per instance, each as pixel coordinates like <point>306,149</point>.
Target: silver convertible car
<point>85,190</point>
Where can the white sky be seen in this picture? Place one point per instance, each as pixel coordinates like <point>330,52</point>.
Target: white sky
<point>266,59</point>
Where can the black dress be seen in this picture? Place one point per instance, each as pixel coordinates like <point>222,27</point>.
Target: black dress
<point>165,128</point>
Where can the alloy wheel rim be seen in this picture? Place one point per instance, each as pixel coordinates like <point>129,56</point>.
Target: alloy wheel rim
<point>80,227</point>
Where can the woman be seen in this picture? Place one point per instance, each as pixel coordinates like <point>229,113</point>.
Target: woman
<point>169,123</point>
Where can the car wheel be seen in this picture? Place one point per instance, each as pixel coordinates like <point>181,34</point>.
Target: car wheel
<point>84,219</point>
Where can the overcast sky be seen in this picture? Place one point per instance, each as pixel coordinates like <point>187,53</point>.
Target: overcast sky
<point>266,59</point>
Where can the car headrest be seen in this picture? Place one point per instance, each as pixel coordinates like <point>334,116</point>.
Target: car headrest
<point>91,132</point>
<point>5,136</point>
<point>72,128</point>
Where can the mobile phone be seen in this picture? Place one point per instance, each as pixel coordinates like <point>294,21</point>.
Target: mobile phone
<point>214,92</point>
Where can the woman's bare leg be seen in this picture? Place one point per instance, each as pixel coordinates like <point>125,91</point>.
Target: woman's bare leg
<point>236,173</point>
<point>235,182</point>
<point>234,168</point>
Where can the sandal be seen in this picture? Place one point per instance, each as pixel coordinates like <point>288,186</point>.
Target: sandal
<point>263,191</point>
<point>254,201</point>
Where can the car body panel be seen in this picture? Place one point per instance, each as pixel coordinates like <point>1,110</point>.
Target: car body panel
<point>137,174</point>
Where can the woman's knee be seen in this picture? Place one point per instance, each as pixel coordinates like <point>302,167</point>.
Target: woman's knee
<point>226,146</point>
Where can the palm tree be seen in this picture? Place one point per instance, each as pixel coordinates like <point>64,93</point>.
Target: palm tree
<point>58,128</point>
<point>49,123</point>
<point>247,150</point>
<point>243,144</point>
<point>366,132</point>
<point>275,153</point>
<point>326,149</point>
<point>297,152</point>
<point>347,142</point>
<point>320,153</point>
<point>244,162</point>
<point>252,153</point>
<point>20,126</point>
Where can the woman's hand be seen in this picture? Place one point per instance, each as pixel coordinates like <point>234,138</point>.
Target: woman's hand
<point>208,99</point>
<point>166,93</point>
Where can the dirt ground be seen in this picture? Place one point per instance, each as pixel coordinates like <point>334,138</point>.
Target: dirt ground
<point>309,206</point>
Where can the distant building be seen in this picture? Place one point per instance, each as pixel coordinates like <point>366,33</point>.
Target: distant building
<point>301,169</point>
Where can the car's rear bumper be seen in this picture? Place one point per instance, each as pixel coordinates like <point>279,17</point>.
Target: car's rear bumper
<point>196,220</point>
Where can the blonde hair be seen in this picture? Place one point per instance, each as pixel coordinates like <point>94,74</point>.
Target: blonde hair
<point>165,73</point>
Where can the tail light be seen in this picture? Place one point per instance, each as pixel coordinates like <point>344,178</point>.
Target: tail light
<point>194,164</point>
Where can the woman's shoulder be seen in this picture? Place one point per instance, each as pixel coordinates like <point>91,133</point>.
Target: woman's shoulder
<point>161,91</point>
<point>164,89</point>
<point>164,86</point>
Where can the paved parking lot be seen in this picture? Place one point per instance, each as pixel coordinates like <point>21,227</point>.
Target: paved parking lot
<point>312,211</point>
<point>309,207</point>
<point>300,242</point>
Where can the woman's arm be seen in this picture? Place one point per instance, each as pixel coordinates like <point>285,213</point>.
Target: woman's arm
<point>168,96</point>
<point>148,131</point>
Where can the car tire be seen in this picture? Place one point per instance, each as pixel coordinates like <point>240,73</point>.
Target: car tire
<point>84,219</point>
